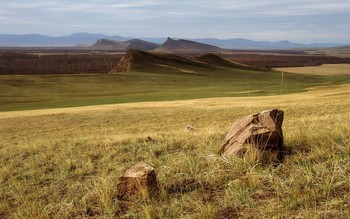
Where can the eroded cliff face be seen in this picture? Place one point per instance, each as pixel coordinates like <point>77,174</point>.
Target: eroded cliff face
<point>126,62</point>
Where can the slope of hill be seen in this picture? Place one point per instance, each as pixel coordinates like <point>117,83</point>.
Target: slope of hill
<point>171,45</point>
<point>221,62</point>
<point>141,44</point>
<point>135,60</point>
<point>106,44</point>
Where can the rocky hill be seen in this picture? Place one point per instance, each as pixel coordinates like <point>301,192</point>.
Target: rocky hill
<point>136,60</point>
<point>111,45</point>
<point>105,44</point>
<point>179,46</point>
<point>141,45</point>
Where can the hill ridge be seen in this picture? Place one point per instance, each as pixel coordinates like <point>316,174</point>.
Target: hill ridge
<point>181,45</point>
<point>107,44</point>
<point>136,60</point>
<point>126,62</point>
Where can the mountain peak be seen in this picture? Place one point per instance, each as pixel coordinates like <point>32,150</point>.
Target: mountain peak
<point>169,40</point>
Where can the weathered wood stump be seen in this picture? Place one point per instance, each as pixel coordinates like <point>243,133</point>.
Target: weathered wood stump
<point>139,179</point>
<point>262,131</point>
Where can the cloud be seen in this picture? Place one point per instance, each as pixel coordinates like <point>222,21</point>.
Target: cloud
<point>274,19</point>
<point>278,9</point>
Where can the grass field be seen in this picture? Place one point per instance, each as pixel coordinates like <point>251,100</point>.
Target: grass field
<point>19,92</point>
<point>65,162</point>
<point>324,70</point>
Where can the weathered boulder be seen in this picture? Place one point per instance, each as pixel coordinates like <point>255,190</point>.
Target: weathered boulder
<point>138,179</point>
<point>262,131</point>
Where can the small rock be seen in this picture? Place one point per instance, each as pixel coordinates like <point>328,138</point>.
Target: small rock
<point>262,131</point>
<point>190,127</point>
<point>140,178</point>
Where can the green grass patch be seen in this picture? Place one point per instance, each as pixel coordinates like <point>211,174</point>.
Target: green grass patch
<point>22,92</point>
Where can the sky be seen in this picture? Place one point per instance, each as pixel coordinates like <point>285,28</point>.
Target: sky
<point>303,21</point>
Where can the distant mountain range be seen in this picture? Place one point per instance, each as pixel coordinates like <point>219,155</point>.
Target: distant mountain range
<point>239,43</point>
<point>86,40</point>
<point>32,40</point>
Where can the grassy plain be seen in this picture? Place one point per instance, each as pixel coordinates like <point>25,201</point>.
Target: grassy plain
<point>323,70</point>
<point>22,92</point>
<point>65,163</point>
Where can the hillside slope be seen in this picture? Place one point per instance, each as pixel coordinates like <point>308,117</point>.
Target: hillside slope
<point>176,46</point>
<point>111,45</point>
<point>216,60</point>
<point>136,60</point>
<point>141,44</point>
<point>105,44</point>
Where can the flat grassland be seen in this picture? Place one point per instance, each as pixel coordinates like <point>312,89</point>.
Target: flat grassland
<point>23,92</point>
<point>65,163</point>
<point>324,70</point>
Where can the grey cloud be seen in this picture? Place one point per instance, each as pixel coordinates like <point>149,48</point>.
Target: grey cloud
<point>297,20</point>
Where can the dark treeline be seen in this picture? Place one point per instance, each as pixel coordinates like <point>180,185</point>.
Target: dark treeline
<point>73,63</point>
<point>272,61</point>
<point>23,63</point>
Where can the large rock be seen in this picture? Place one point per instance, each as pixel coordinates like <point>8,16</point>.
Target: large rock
<point>138,179</point>
<point>262,131</point>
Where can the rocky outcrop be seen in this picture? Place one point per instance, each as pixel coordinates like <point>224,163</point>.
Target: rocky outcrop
<point>126,61</point>
<point>262,131</point>
<point>138,179</point>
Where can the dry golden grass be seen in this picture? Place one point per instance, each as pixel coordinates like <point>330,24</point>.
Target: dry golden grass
<point>64,163</point>
<point>323,70</point>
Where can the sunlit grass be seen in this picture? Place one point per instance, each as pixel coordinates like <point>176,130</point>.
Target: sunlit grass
<point>325,69</point>
<point>64,163</point>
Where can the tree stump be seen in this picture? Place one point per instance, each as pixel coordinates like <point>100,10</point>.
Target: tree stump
<point>262,131</point>
<point>139,179</point>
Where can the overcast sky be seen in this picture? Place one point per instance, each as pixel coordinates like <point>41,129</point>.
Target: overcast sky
<point>295,20</point>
